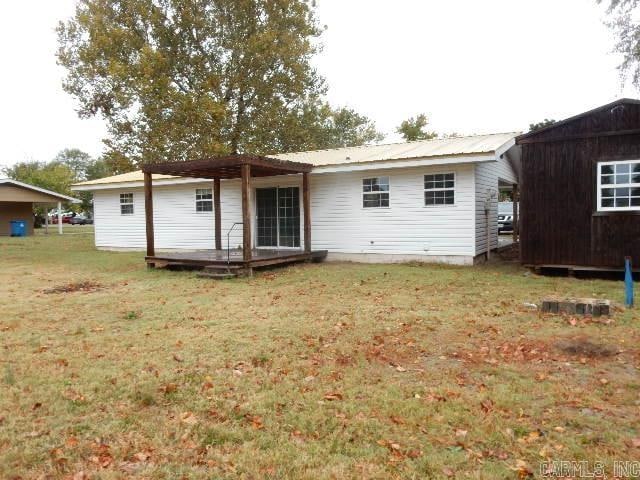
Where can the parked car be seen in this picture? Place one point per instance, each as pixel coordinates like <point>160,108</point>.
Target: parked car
<point>505,217</point>
<point>80,220</point>
<point>66,217</point>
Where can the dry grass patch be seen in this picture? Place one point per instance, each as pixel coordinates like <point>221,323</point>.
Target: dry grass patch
<point>314,371</point>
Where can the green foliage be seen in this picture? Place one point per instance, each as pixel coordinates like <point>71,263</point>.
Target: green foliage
<point>69,166</point>
<point>414,128</point>
<point>544,123</point>
<point>183,79</point>
<point>54,176</point>
<point>626,25</point>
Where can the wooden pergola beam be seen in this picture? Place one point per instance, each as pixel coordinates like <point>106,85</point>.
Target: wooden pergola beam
<point>148,213</point>
<point>246,213</point>
<point>306,204</point>
<point>217,213</point>
<point>228,167</point>
<point>515,197</point>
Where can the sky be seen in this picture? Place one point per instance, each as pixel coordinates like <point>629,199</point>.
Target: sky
<point>471,66</point>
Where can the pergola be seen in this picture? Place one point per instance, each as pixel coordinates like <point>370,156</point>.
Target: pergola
<point>224,168</point>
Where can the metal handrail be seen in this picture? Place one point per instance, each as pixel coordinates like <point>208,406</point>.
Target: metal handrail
<point>228,241</point>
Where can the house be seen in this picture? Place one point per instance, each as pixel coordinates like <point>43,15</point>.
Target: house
<point>17,200</point>
<point>416,201</point>
<point>580,184</point>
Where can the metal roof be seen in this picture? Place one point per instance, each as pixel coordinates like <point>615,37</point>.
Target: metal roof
<point>10,181</point>
<point>475,144</point>
<point>441,147</point>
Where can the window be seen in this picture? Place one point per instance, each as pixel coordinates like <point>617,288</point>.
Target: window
<point>126,204</point>
<point>204,202</point>
<point>375,192</point>
<point>619,185</point>
<point>439,189</point>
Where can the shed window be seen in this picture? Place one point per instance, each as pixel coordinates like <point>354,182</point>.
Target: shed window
<point>375,192</point>
<point>439,189</point>
<point>204,200</point>
<point>126,204</point>
<point>619,185</point>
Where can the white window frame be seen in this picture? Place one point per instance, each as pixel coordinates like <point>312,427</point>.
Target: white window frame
<point>363,193</point>
<point>127,203</point>
<point>629,185</point>
<point>438,189</point>
<point>200,200</point>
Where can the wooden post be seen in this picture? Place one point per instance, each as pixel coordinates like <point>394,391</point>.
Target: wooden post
<point>306,201</point>
<point>148,213</point>
<point>216,209</point>
<point>515,195</point>
<point>46,220</point>
<point>60,218</point>
<point>246,215</point>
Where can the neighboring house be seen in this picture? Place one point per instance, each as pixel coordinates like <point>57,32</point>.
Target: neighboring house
<point>17,200</point>
<point>580,183</point>
<point>421,201</point>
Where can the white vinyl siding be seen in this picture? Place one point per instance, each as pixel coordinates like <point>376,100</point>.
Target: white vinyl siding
<point>487,177</point>
<point>340,224</point>
<point>407,227</point>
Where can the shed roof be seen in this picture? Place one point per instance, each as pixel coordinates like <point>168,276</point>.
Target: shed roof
<point>43,193</point>
<point>441,147</point>
<point>622,101</point>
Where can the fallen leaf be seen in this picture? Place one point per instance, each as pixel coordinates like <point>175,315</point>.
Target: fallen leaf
<point>169,388</point>
<point>189,418</point>
<point>333,396</point>
<point>486,405</point>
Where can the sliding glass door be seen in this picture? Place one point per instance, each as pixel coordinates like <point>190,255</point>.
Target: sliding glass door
<point>278,217</point>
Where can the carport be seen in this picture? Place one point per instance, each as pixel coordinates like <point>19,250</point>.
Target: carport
<point>17,200</point>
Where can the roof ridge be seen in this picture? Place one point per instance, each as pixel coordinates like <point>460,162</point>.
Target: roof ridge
<point>395,143</point>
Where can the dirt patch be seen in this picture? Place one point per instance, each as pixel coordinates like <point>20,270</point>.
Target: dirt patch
<point>510,253</point>
<point>585,348</point>
<point>86,287</point>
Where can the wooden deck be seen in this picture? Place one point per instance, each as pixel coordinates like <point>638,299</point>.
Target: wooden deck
<point>219,258</point>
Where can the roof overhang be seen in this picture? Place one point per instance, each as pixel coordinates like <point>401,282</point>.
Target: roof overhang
<point>228,167</point>
<point>530,136</point>
<point>55,196</point>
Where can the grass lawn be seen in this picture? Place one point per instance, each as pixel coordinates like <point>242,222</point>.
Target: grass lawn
<point>315,371</point>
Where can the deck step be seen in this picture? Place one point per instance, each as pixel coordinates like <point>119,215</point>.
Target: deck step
<point>217,275</point>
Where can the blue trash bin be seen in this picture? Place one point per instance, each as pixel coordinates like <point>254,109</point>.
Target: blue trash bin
<point>18,228</point>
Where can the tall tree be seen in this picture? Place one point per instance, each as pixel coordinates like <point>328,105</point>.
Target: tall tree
<point>415,128</point>
<point>181,79</point>
<point>626,24</point>
<point>76,160</point>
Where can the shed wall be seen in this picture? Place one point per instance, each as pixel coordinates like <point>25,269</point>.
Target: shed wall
<point>15,211</point>
<point>560,224</point>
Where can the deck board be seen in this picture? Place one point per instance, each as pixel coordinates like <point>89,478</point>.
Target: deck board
<point>260,257</point>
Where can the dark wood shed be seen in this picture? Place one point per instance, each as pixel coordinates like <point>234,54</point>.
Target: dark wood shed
<point>580,190</point>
